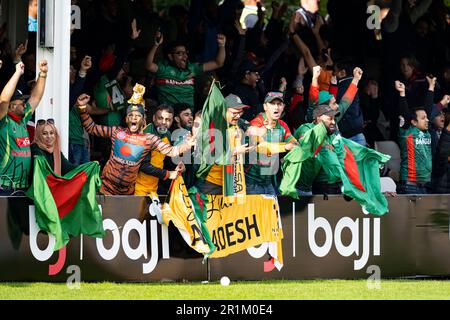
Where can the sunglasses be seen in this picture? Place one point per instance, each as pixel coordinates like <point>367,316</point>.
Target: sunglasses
<point>275,94</point>
<point>41,122</point>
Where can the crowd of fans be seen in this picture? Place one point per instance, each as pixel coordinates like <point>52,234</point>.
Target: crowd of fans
<point>278,68</point>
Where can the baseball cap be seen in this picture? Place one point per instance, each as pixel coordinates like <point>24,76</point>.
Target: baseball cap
<point>324,109</point>
<point>18,95</point>
<point>270,96</point>
<point>245,67</point>
<point>324,97</point>
<point>233,101</point>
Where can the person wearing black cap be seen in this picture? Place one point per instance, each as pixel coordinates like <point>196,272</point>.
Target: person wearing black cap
<point>129,145</point>
<point>314,179</point>
<point>246,89</point>
<point>213,182</point>
<point>14,138</point>
<point>260,173</point>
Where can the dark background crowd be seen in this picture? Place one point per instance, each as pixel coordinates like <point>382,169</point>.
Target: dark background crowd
<point>408,41</point>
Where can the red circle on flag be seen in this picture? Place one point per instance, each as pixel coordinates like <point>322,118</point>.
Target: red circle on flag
<point>125,151</point>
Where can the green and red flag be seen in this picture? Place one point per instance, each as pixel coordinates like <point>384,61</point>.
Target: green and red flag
<point>359,169</point>
<point>217,141</point>
<point>66,206</point>
<point>188,212</point>
<point>309,145</point>
<point>213,128</point>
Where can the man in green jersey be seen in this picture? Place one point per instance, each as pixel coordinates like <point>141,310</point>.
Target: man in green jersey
<point>415,142</point>
<point>15,151</point>
<point>175,76</point>
<point>314,179</point>
<point>260,173</point>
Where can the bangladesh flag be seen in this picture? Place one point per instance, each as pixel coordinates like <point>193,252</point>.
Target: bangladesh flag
<point>66,205</point>
<point>359,169</point>
<point>214,123</point>
<point>309,145</point>
<point>187,211</point>
<point>216,147</point>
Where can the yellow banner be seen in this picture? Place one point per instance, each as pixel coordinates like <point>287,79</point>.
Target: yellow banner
<point>232,227</point>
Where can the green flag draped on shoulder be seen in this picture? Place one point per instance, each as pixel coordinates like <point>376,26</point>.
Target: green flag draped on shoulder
<point>66,205</point>
<point>217,141</point>
<point>308,146</point>
<point>359,169</point>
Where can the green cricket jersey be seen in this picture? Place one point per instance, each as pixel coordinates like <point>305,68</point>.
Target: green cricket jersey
<point>415,146</point>
<point>15,153</point>
<point>176,85</point>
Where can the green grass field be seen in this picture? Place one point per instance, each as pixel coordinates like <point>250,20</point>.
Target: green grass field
<point>254,290</point>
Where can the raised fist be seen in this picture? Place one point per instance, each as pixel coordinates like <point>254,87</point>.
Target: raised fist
<point>20,67</point>
<point>221,39</point>
<point>316,72</point>
<point>83,100</point>
<point>400,87</point>
<point>43,67</point>
<point>357,73</point>
<point>158,38</point>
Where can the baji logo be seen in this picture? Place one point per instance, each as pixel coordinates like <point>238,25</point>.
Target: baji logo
<point>315,224</point>
<point>119,240</point>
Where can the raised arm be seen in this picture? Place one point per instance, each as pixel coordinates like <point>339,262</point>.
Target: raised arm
<point>157,144</point>
<point>88,123</point>
<point>299,42</point>
<point>8,90</point>
<point>150,64</point>
<point>38,91</point>
<point>220,58</point>
<point>350,94</point>
<point>313,93</point>
<point>403,108</point>
<point>429,97</point>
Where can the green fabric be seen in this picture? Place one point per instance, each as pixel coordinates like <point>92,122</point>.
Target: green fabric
<point>176,85</point>
<point>200,201</point>
<point>83,218</point>
<point>312,169</point>
<point>295,159</point>
<point>15,151</point>
<point>213,116</point>
<point>76,131</point>
<point>66,166</point>
<point>359,169</point>
<point>422,162</point>
<point>103,100</point>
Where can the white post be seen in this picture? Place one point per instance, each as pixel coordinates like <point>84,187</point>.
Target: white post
<point>55,102</point>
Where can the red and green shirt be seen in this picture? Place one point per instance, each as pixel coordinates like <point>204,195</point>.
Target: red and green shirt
<point>176,85</point>
<point>415,147</point>
<point>263,171</point>
<point>15,153</point>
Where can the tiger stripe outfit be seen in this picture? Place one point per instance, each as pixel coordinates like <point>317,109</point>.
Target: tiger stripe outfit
<point>127,153</point>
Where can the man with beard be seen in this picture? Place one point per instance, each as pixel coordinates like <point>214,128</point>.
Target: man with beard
<point>129,145</point>
<point>152,168</point>
<point>314,179</point>
<point>175,76</point>
<point>183,121</point>
<point>260,173</point>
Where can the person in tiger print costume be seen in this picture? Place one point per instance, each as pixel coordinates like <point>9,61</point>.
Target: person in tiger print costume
<point>129,145</point>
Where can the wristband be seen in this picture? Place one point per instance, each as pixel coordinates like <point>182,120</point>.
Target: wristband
<point>42,74</point>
